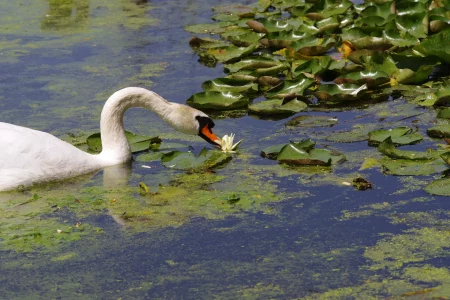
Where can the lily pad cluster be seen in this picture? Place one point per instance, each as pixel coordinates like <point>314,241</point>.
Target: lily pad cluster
<point>287,51</point>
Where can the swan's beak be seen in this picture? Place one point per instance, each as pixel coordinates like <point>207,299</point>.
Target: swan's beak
<point>209,136</point>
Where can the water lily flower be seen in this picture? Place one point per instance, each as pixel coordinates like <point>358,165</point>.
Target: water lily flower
<point>227,143</point>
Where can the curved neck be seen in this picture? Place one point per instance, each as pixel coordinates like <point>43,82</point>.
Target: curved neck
<point>114,143</point>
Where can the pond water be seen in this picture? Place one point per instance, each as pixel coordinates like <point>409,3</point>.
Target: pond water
<point>253,229</point>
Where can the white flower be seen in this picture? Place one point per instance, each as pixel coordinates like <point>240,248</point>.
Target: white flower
<point>227,143</point>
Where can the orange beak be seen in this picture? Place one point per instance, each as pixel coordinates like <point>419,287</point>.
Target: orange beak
<point>209,136</point>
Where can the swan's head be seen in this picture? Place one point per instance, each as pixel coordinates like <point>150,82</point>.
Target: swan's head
<point>192,121</point>
<point>205,130</point>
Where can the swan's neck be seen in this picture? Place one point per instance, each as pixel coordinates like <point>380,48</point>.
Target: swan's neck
<point>114,143</point>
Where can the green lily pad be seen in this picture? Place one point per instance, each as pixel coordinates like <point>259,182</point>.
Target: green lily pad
<point>291,88</point>
<point>247,39</point>
<point>340,92</point>
<point>292,155</point>
<point>137,142</point>
<point>312,121</point>
<point>437,45</point>
<point>371,79</point>
<point>399,136</point>
<point>206,159</point>
<point>444,113</point>
<point>356,135</point>
<point>404,167</point>
<point>251,63</point>
<point>314,66</point>
<point>229,85</point>
<point>446,157</point>
<point>440,187</point>
<point>272,152</point>
<point>270,25</point>
<point>387,148</point>
<point>217,100</point>
<point>312,45</point>
<point>228,53</point>
<point>206,43</point>
<point>277,107</point>
<point>283,39</point>
<point>439,131</point>
<point>158,150</point>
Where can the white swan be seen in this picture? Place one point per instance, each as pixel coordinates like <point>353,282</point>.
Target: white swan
<point>29,156</point>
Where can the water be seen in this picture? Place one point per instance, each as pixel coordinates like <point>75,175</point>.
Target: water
<point>294,233</point>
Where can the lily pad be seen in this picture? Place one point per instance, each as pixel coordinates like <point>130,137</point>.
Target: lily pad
<point>137,142</point>
<point>387,148</point>
<point>217,100</point>
<point>312,121</point>
<point>399,136</point>
<point>290,88</point>
<point>439,131</point>
<point>340,92</point>
<point>277,107</point>
<point>229,85</point>
<point>292,155</point>
<point>228,53</point>
<point>439,187</point>
<point>206,159</point>
<point>272,152</point>
<point>371,79</point>
<point>405,167</point>
<point>251,63</point>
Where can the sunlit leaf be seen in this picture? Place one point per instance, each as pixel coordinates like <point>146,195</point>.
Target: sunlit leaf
<point>217,100</point>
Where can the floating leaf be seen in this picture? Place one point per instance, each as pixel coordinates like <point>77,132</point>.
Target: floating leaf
<point>137,142</point>
<point>437,44</point>
<point>292,155</point>
<point>387,148</point>
<point>439,131</point>
<point>312,45</point>
<point>228,85</point>
<point>290,88</point>
<point>252,63</point>
<point>276,107</point>
<point>371,79</point>
<point>206,159</point>
<point>399,136</point>
<point>413,167</point>
<point>245,40</point>
<point>228,53</point>
<point>217,100</point>
<point>206,43</point>
<point>273,151</point>
<point>439,187</point>
<point>312,121</point>
<point>340,92</point>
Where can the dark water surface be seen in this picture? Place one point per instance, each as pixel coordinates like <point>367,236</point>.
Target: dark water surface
<point>295,233</point>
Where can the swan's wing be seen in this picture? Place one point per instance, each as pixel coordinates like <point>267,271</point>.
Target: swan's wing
<point>28,156</point>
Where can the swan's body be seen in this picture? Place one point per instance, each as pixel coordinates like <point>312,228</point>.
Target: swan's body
<point>29,156</point>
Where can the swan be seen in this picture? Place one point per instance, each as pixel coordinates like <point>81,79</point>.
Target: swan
<point>30,156</point>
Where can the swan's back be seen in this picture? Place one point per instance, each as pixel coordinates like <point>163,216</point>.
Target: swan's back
<point>29,156</point>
